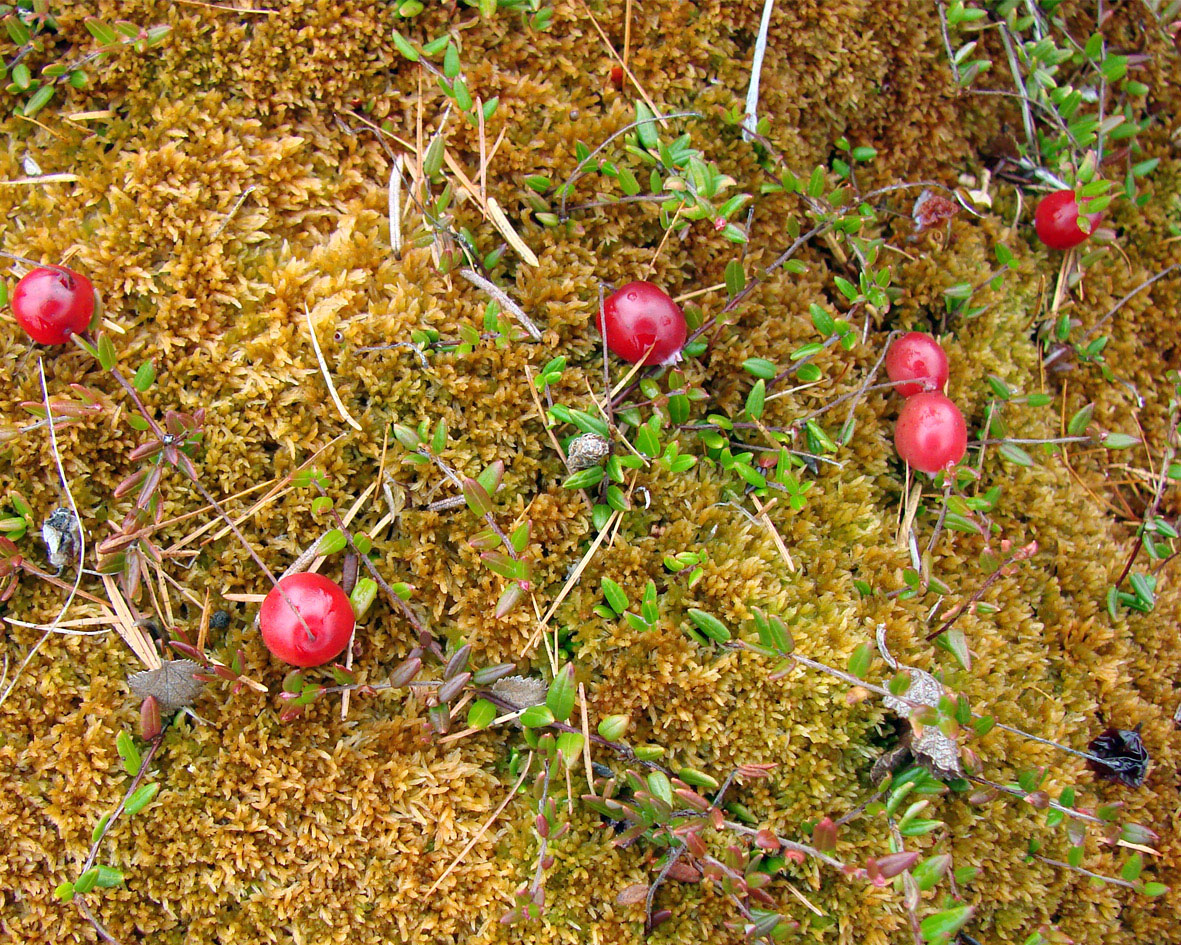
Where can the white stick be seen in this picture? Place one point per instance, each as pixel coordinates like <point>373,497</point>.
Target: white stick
<point>396,204</point>
<point>751,122</point>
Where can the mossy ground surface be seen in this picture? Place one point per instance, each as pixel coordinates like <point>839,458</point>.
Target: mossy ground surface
<point>323,830</point>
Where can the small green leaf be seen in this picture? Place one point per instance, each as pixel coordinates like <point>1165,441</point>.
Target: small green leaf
<point>1132,868</point>
<point>710,625</point>
<point>1154,889</point>
<point>761,368</point>
<point>615,596</point>
<point>756,400</point>
<point>613,727</point>
<point>451,61</point>
<point>38,100</point>
<point>363,595</point>
<point>65,891</point>
<point>942,925</point>
<point>1119,441</point>
<point>560,697</point>
<point>735,277</point>
<point>477,498</point>
<point>87,881</point>
<point>106,353</point>
<point>570,745</point>
<point>584,478</point>
<point>646,132</point>
<point>109,877</point>
<point>1080,420</point>
<point>432,163</point>
<point>128,752</point>
<point>537,716</point>
<point>860,661</point>
<point>1015,454</point>
<point>99,828</point>
<point>332,542</point>
<point>695,778</point>
<point>144,377</point>
<point>141,798</point>
<point>480,714</point>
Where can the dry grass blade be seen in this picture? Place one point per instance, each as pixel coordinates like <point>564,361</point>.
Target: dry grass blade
<point>573,579</point>
<point>44,179</point>
<point>778,539</point>
<point>483,830</point>
<point>134,636</point>
<point>501,222</point>
<point>344,414</point>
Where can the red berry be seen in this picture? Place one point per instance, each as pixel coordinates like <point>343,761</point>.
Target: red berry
<point>930,433</point>
<point>640,316</point>
<point>1057,220</point>
<point>53,304</point>
<point>617,76</point>
<point>324,607</point>
<point>917,358</point>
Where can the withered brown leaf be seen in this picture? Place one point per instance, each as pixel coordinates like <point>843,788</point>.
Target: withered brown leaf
<point>172,685</point>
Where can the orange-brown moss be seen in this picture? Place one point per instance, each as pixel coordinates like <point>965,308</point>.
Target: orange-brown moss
<point>228,193</point>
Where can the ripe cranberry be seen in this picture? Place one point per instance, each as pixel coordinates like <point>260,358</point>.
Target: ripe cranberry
<point>53,304</point>
<point>930,433</point>
<point>640,316</point>
<point>1058,223</point>
<point>917,358</point>
<point>617,76</point>
<point>324,607</point>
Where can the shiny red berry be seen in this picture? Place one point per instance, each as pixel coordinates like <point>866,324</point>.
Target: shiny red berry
<point>930,434</point>
<point>617,76</point>
<point>321,604</point>
<point>919,359</point>
<point>53,304</point>
<point>1058,223</point>
<point>644,325</point>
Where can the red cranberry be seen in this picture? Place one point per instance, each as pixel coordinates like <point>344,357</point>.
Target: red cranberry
<point>324,608</point>
<point>1058,223</point>
<point>53,304</point>
<point>917,358</point>
<point>930,434</point>
<point>644,324</point>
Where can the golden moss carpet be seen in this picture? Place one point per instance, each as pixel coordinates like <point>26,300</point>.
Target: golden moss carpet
<point>226,184</point>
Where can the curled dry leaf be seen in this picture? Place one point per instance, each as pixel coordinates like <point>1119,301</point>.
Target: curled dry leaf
<point>61,536</point>
<point>173,685</point>
<point>930,747</point>
<point>931,209</point>
<point>521,691</point>
<point>632,895</point>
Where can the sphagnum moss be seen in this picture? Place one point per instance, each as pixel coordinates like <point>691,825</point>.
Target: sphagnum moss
<point>224,193</point>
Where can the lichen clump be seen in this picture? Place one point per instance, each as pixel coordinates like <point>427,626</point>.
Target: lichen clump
<point>229,179</point>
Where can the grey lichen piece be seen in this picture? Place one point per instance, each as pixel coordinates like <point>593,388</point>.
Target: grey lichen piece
<point>587,450</point>
<point>61,536</point>
<point>173,685</point>
<point>930,746</point>
<point>520,691</point>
